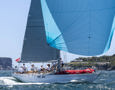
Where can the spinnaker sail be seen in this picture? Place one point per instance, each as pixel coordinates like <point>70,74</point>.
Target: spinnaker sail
<point>80,27</point>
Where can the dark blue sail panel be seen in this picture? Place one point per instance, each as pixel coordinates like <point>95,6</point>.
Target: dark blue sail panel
<point>80,27</point>
<point>35,47</point>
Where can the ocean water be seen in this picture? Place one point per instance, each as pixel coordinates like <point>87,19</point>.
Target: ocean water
<point>106,81</point>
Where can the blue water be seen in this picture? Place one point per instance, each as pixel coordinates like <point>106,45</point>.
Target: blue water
<point>106,81</point>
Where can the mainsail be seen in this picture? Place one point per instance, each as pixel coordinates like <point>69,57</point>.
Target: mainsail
<point>82,27</point>
<point>35,48</point>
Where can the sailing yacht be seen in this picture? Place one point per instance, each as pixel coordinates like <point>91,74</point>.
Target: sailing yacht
<point>78,27</point>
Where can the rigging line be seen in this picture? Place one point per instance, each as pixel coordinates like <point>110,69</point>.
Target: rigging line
<point>54,39</point>
<point>64,28</point>
<point>61,47</point>
<point>76,11</point>
<point>64,48</point>
<point>89,37</point>
<point>59,43</point>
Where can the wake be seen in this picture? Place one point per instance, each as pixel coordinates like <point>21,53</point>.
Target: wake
<point>13,81</point>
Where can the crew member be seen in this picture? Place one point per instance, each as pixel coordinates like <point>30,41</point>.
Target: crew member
<point>33,68</point>
<point>48,68</point>
<point>24,68</point>
<point>21,70</point>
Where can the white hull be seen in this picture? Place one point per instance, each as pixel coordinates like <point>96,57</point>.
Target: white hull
<point>51,78</point>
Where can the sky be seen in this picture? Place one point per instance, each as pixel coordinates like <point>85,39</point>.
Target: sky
<point>13,19</point>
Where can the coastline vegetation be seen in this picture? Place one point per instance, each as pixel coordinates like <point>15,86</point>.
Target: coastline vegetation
<point>103,62</point>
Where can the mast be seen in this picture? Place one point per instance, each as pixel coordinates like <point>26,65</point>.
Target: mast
<point>59,65</point>
<point>59,62</point>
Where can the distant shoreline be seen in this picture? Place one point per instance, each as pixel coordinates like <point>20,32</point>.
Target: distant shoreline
<point>101,63</point>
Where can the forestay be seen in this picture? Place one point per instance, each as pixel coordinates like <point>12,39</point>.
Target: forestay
<point>82,27</point>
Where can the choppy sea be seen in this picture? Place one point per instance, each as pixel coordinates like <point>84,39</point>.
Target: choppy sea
<point>106,81</point>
